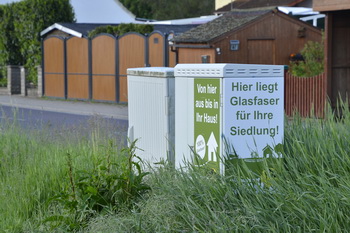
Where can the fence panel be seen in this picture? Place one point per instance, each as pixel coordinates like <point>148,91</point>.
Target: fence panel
<point>104,82</point>
<point>156,43</point>
<point>54,71</point>
<point>77,68</point>
<point>307,96</point>
<point>172,58</point>
<point>132,53</point>
<point>81,68</point>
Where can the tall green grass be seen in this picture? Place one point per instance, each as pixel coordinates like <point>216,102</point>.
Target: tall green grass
<point>34,168</point>
<point>306,191</point>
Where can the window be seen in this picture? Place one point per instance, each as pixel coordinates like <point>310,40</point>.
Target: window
<point>234,45</point>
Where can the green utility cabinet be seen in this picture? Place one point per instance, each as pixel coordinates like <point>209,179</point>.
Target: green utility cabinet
<point>228,112</point>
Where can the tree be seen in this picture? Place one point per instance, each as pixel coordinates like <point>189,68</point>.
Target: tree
<point>20,27</point>
<point>9,44</point>
<point>140,8</point>
<point>169,9</point>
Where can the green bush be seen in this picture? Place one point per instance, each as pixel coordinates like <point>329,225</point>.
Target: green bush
<point>3,76</point>
<point>122,29</point>
<point>3,82</point>
<point>312,63</point>
<point>112,184</point>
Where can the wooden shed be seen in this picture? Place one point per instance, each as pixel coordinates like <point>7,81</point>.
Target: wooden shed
<point>250,36</point>
<point>337,47</point>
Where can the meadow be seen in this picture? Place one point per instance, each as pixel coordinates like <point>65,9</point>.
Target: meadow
<point>69,183</point>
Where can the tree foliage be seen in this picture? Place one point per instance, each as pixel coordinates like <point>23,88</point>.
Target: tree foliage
<point>20,27</point>
<point>312,62</point>
<point>169,9</point>
<point>9,44</point>
<point>122,29</point>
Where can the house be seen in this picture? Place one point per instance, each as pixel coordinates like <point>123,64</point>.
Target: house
<point>250,36</point>
<point>305,14</point>
<point>337,47</point>
<point>228,5</point>
<point>301,9</point>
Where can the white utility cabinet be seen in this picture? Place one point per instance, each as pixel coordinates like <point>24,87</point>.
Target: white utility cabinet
<point>151,112</point>
<point>227,111</point>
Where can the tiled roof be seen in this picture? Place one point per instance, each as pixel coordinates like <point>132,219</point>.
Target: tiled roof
<point>228,22</point>
<point>246,4</point>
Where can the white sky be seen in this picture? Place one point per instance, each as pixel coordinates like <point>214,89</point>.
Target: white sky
<point>96,11</point>
<point>8,1</point>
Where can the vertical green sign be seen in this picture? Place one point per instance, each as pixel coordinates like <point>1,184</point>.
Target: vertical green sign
<point>207,136</point>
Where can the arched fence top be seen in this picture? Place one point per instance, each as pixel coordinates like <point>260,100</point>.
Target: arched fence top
<point>52,37</point>
<point>104,34</point>
<point>157,32</point>
<point>132,33</point>
<point>77,38</point>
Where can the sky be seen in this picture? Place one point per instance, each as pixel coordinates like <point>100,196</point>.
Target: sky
<point>8,1</point>
<point>96,11</point>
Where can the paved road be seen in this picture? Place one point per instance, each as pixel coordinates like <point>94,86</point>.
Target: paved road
<point>64,106</point>
<point>63,116</point>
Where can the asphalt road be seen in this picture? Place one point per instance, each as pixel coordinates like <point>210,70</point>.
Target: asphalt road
<point>61,122</point>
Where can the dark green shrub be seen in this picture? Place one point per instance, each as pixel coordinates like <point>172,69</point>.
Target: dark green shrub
<point>312,63</point>
<point>3,76</point>
<point>3,82</point>
<point>114,183</point>
<point>122,29</point>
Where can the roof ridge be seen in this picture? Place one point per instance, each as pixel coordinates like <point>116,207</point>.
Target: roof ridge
<point>267,8</point>
<point>248,4</point>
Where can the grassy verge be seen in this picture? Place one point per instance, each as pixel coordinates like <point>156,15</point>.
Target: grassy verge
<point>34,168</point>
<point>307,191</point>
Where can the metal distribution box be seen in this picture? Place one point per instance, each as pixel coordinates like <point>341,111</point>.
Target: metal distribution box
<point>228,112</point>
<point>151,109</point>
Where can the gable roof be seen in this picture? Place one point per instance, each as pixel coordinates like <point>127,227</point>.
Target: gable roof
<point>228,22</point>
<point>83,29</point>
<point>247,4</point>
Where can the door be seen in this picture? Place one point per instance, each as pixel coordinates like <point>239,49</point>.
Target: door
<point>261,51</point>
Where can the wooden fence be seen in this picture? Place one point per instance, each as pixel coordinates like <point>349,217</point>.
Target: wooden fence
<point>95,69</point>
<point>306,96</point>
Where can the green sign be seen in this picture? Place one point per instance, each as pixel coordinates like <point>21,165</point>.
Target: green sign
<point>207,136</point>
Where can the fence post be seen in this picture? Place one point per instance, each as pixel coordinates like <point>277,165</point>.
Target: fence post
<point>23,82</point>
<point>40,81</point>
<point>13,80</point>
